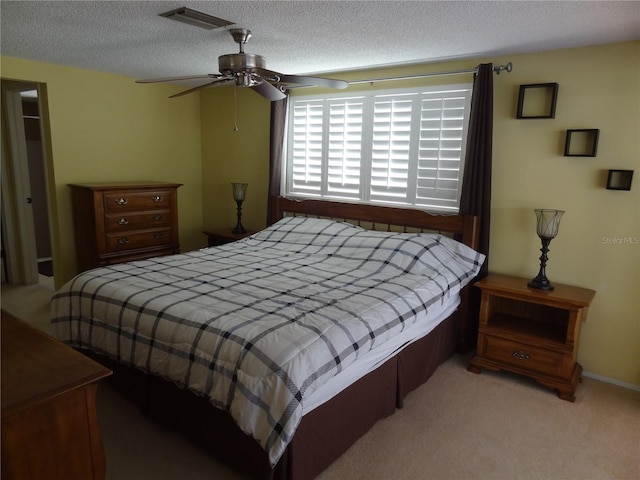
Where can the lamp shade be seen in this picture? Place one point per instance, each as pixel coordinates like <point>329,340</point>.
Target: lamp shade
<point>548,222</point>
<point>239,191</point>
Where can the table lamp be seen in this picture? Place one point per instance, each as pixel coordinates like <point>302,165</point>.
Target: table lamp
<point>548,222</point>
<point>239,192</point>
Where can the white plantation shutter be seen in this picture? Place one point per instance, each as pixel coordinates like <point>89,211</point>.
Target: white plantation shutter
<point>390,149</point>
<point>443,131</point>
<point>403,147</point>
<point>345,148</point>
<point>306,152</point>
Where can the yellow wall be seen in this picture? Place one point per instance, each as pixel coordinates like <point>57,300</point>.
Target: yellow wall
<point>598,245</point>
<point>234,156</point>
<point>599,87</point>
<point>106,128</point>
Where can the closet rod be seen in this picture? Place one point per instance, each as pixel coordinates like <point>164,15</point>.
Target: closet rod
<point>508,67</point>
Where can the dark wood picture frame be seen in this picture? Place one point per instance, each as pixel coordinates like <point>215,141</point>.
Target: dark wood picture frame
<point>537,107</point>
<point>619,179</point>
<point>588,146</point>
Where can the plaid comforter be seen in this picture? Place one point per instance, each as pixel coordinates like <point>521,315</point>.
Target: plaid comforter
<point>257,325</point>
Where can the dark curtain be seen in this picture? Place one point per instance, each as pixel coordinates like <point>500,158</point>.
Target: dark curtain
<point>278,117</point>
<point>476,183</point>
<point>476,187</point>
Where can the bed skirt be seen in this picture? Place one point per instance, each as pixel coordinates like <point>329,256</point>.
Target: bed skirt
<point>323,435</point>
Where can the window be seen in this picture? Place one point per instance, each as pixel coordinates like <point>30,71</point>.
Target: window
<point>402,147</point>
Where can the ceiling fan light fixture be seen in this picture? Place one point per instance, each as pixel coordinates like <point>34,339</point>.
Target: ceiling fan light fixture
<point>195,18</point>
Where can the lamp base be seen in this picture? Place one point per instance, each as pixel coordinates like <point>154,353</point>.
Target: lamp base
<point>239,228</point>
<point>540,284</point>
<point>540,281</point>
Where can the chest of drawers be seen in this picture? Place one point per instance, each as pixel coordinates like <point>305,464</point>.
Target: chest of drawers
<point>121,222</point>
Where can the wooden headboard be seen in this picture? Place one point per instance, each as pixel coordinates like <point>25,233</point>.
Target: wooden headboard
<point>462,227</point>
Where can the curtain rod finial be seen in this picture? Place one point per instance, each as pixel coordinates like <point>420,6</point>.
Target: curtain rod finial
<point>508,67</point>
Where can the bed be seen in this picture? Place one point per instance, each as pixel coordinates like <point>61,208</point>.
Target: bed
<point>278,351</point>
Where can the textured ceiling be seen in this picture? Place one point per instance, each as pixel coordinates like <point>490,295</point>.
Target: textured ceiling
<point>297,37</point>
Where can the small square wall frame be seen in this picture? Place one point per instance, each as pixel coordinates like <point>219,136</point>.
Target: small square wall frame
<point>619,179</point>
<point>537,100</point>
<point>581,143</point>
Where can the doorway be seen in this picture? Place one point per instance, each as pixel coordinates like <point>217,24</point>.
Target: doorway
<point>27,253</point>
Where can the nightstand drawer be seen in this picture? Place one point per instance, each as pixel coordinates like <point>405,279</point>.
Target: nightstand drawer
<point>522,356</point>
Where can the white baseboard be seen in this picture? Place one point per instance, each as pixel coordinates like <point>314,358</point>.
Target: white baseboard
<point>612,381</point>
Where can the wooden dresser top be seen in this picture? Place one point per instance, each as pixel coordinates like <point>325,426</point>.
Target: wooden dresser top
<point>124,185</point>
<point>36,367</point>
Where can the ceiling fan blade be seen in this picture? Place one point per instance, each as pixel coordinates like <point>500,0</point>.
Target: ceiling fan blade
<point>268,91</point>
<point>270,74</point>
<point>191,90</point>
<point>303,80</point>
<point>176,79</point>
<point>314,81</point>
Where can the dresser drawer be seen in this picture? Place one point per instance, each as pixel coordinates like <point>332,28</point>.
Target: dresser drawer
<point>129,241</point>
<point>522,356</point>
<point>136,201</point>
<point>137,221</point>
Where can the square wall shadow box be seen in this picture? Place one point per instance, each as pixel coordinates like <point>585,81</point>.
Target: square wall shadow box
<point>537,100</point>
<point>581,143</point>
<point>619,179</point>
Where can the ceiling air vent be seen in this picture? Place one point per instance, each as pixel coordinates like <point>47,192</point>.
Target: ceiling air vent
<point>195,18</point>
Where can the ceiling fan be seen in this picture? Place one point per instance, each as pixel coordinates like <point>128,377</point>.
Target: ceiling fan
<point>248,70</point>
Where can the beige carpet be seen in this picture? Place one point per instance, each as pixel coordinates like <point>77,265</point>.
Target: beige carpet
<point>29,302</point>
<point>457,426</point>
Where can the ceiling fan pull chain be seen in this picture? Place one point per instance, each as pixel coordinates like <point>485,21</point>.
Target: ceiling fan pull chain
<point>235,109</point>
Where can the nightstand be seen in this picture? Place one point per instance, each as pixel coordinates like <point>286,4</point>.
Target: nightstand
<point>531,332</point>
<point>225,235</point>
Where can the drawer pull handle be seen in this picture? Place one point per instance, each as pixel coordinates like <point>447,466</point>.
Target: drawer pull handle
<point>157,198</point>
<point>520,355</point>
<point>123,221</point>
<point>158,218</point>
<point>121,201</point>
<point>123,241</point>
<point>157,235</point>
